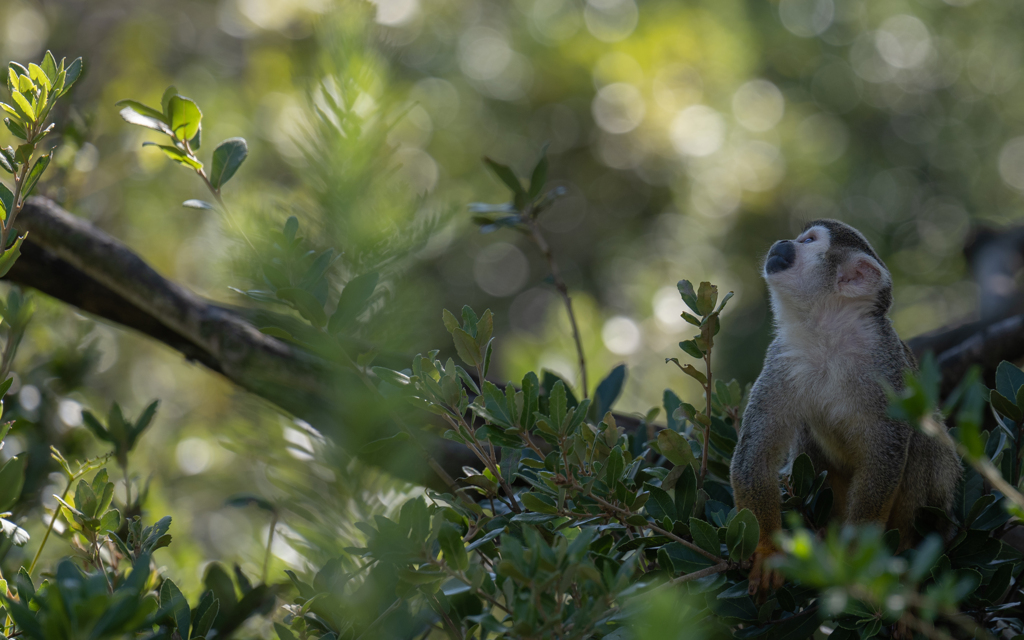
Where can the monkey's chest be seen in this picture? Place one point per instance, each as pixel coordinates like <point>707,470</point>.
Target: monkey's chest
<point>832,395</point>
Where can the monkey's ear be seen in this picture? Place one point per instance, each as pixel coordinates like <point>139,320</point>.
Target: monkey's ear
<point>859,276</point>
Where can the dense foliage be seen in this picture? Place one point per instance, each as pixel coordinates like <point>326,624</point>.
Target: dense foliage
<point>578,519</point>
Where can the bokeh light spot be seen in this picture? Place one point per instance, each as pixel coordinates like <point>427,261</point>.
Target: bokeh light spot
<point>501,269</point>
<point>697,131</point>
<point>621,335</point>
<point>758,105</point>
<point>806,18</point>
<point>618,108</point>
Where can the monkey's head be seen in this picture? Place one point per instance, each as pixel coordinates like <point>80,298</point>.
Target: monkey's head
<point>829,262</point>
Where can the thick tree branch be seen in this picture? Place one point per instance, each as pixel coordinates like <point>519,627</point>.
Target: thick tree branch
<point>73,261</point>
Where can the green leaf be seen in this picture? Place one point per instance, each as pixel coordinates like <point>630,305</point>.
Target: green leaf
<point>691,349</point>
<point>707,296</point>
<point>609,389</point>
<point>306,304</point>
<point>142,109</point>
<point>452,546</point>
<point>39,76</point>
<point>925,557</point>
<point>557,404</point>
<point>240,500</point>
<point>692,371</point>
<point>35,173</point>
<point>705,536</point>
<point>198,204</point>
<point>660,504</point>
<point>49,66</point>
<point>353,300</point>
<point>377,445</point>
<point>742,535</point>
<point>172,600</point>
<point>184,117</point>
<point>614,467</point>
<point>9,257</point>
<point>507,176</point>
<point>291,227</point>
<point>803,475</point>
<point>176,154</point>
<point>227,157</point>
<point>23,106</point>
<point>451,323</point>
<point>675,447</point>
<point>1004,406</point>
<point>15,127</point>
<point>688,294</point>
<point>165,101</point>
<point>540,174</point>
<point>686,493</point>
<point>6,200</point>
<point>72,74</point>
<point>538,503</point>
<point>12,479</point>
<point>1009,379</point>
<point>466,347</point>
<point>131,116</point>
<point>391,377</point>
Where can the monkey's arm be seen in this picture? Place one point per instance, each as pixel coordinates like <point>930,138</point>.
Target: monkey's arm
<point>877,474</point>
<point>764,445</point>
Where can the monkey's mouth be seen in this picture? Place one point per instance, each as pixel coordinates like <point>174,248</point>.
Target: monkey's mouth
<point>781,257</point>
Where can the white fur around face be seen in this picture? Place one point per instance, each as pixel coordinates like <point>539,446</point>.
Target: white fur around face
<point>798,285</point>
<point>826,337</point>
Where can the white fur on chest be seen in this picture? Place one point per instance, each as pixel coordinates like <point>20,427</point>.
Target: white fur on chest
<point>826,355</point>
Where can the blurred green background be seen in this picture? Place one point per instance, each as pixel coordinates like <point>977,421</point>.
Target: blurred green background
<point>688,135</point>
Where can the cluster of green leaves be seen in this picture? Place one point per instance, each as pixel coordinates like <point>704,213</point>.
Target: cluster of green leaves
<point>180,119</point>
<point>527,202</point>
<point>298,276</point>
<point>573,523</point>
<point>119,431</point>
<point>34,92</point>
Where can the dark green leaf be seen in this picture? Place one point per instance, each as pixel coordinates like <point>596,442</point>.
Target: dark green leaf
<point>540,174</point>
<point>306,304</point>
<point>35,173</point>
<point>659,505</point>
<point>72,73</point>
<point>353,300</point>
<point>12,479</point>
<point>452,546</point>
<point>1009,379</point>
<point>688,294</point>
<point>707,296</point>
<point>507,176</point>
<point>7,200</point>
<point>609,389</point>
<point>227,157</point>
<point>742,535</point>
<point>705,536</point>
<point>174,602</point>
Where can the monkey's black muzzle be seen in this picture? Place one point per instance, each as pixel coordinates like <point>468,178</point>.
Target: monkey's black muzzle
<point>781,257</point>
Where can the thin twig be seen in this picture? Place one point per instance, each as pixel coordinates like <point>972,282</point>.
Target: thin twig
<point>696,575</point>
<point>560,285</point>
<point>652,527</point>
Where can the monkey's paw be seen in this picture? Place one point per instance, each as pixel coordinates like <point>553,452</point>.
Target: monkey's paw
<point>762,577</point>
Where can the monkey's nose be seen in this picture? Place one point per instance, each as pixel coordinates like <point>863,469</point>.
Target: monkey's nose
<point>781,257</point>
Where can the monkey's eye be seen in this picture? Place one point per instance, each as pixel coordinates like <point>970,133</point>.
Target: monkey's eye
<point>807,239</point>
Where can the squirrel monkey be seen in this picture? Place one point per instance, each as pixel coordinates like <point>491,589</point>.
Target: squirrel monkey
<point>822,393</point>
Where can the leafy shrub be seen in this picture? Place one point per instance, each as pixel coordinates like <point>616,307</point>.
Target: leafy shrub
<point>577,523</point>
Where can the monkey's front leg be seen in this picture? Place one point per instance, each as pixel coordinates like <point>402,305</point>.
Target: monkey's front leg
<point>761,451</point>
<point>876,479</point>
